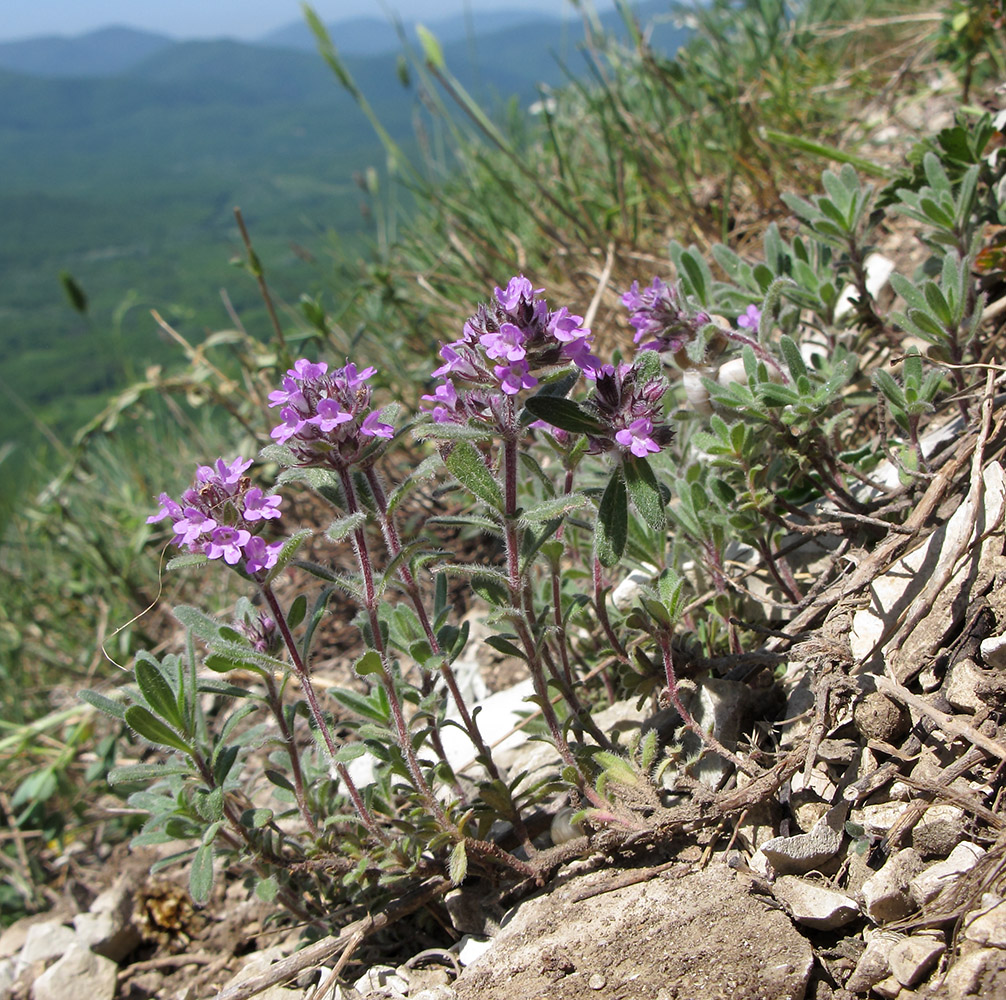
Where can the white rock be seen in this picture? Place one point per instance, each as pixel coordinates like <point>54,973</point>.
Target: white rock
<point>471,948</point>
<point>885,895</point>
<point>807,851</point>
<point>814,905</point>
<point>624,596</point>
<point>382,981</point>
<point>108,928</point>
<point>987,926</point>
<point>928,884</point>
<point>79,973</point>
<point>994,651</point>
<point>46,941</point>
<point>914,957</point>
<point>962,681</point>
<point>877,817</point>
<point>878,271</point>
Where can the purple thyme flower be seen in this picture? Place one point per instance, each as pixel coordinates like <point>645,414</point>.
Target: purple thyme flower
<point>502,347</point>
<point>326,415</point>
<point>660,317</point>
<point>221,514</point>
<point>750,319</point>
<point>629,402</point>
<point>636,437</point>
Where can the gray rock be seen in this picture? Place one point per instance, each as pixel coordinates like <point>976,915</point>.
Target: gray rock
<point>717,705</point>
<point>469,910</point>
<point>109,928</point>
<point>624,596</point>
<point>885,895</point>
<point>46,941</point>
<point>988,925</point>
<point>914,957</point>
<point>927,885</point>
<point>435,993</point>
<point>79,973</point>
<point>814,905</point>
<point>8,973</point>
<point>807,851</point>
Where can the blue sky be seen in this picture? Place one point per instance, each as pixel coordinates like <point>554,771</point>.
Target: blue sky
<point>214,18</point>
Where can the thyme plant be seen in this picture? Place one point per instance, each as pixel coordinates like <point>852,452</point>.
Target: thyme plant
<point>577,468</point>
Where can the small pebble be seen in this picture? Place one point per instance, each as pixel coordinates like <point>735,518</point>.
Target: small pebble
<point>597,981</point>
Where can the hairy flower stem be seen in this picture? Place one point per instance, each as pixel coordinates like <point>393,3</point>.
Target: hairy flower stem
<point>601,610</point>
<point>304,676</point>
<point>687,719</point>
<point>393,541</point>
<point>524,622</point>
<point>760,352</point>
<point>297,774</point>
<point>362,551</point>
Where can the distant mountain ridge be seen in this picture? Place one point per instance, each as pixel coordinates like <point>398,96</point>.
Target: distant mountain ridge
<point>105,52</point>
<point>116,51</point>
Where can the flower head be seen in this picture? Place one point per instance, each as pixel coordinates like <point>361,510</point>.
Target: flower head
<point>326,417</point>
<point>220,515</point>
<point>750,319</point>
<point>660,317</point>
<point>502,347</point>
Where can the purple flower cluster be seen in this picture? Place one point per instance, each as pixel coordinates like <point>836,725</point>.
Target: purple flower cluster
<point>220,515</point>
<point>629,402</point>
<point>659,315</point>
<point>326,416</point>
<point>501,345</point>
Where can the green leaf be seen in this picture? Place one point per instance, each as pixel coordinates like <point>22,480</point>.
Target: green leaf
<point>369,663</point>
<point>199,624</point>
<point>564,414</point>
<point>612,521</point>
<point>129,774</point>
<point>99,701</point>
<point>644,491</point>
<point>551,509</point>
<point>297,612</point>
<point>458,866</point>
<point>504,646</point>
<point>145,724</point>
<point>469,468</point>
<point>617,768</point>
<point>201,874</point>
<point>343,526</point>
<point>432,52</point>
<point>157,693</point>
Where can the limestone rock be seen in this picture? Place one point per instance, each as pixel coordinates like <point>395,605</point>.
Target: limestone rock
<point>108,928</point>
<point>874,964</point>
<point>988,925</point>
<point>45,941</point>
<point>79,973</point>
<point>807,851</point>
<point>939,831</point>
<point>914,957</point>
<point>814,905</point>
<point>928,884</point>
<point>885,895</point>
<point>382,981</point>
<point>980,973</point>
<point>697,935</point>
